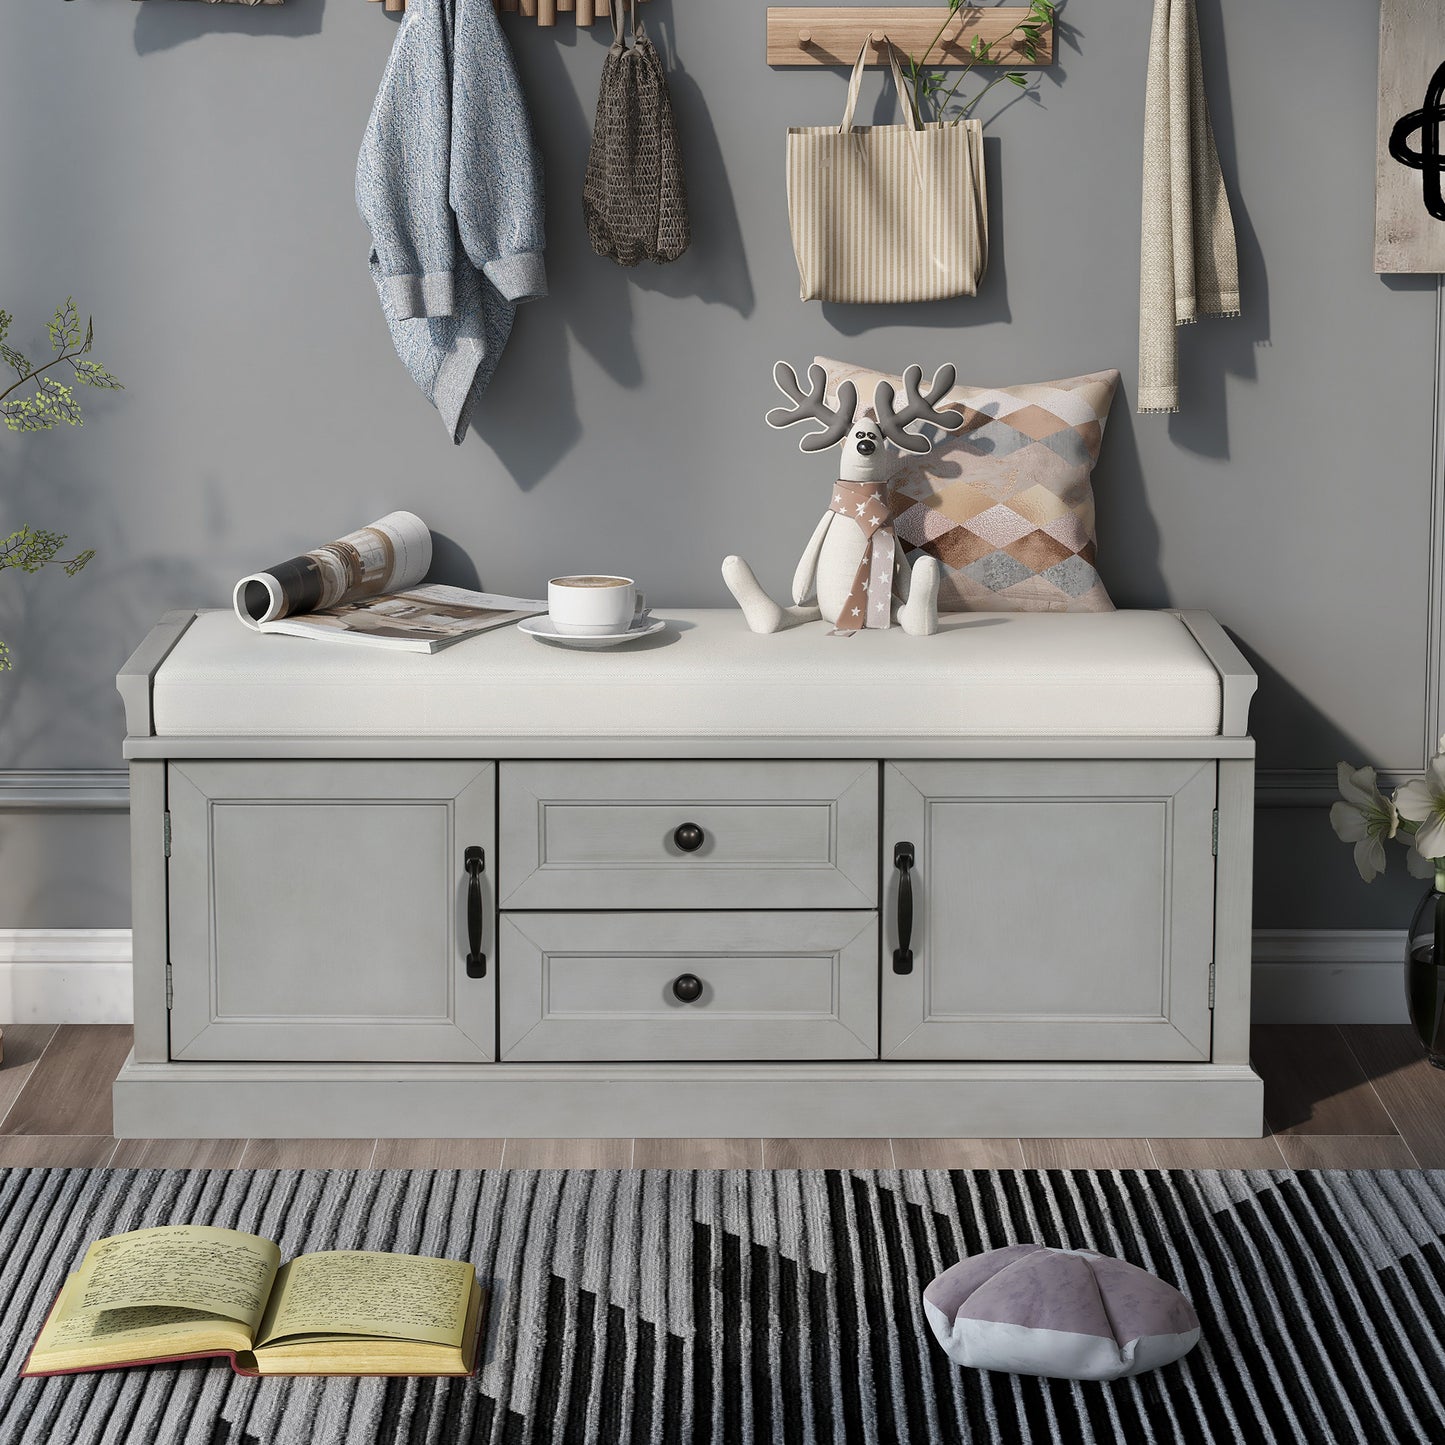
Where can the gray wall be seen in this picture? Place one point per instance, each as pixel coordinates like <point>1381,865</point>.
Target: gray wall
<point>186,171</point>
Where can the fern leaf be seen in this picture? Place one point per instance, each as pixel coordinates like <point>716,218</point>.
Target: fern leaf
<point>92,373</point>
<point>59,400</point>
<point>26,415</point>
<point>65,329</point>
<point>30,548</point>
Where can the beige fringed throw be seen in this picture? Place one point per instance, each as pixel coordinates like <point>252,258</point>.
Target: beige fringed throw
<point>1188,267</point>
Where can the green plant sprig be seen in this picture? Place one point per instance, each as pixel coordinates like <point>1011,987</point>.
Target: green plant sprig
<point>931,90</point>
<point>29,549</point>
<point>52,402</point>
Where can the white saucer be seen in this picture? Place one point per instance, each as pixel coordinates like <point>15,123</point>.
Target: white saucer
<point>544,629</point>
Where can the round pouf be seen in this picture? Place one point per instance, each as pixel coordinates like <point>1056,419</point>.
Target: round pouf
<point>1069,1314</point>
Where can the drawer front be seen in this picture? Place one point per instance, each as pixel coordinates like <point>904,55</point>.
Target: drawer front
<point>585,986</point>
<point>772,835</point>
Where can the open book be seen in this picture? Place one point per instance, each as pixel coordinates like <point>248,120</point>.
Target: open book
<point>187,1291</point>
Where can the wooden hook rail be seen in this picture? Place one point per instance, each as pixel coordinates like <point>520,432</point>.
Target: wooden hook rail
<point>815,35</point>
<point>544,12</point>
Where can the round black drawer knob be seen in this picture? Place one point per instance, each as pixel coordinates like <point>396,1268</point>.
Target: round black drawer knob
<point>687,988</point>
<point>689,837</point>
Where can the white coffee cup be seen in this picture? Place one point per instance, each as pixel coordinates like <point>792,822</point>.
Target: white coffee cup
<point>592,605</point>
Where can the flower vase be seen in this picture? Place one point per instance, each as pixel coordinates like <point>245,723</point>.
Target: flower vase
<point>1425,972</point>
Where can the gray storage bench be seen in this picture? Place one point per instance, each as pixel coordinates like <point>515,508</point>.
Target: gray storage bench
<point>513,889</point>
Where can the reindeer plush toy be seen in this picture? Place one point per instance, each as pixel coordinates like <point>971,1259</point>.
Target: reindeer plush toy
<point>850,563</point>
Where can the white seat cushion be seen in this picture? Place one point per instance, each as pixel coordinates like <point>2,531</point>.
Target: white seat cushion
<point>1109,674</point>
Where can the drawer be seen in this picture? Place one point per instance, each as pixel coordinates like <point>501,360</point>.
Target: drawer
<point>611,835</point>
<point>585,986</point>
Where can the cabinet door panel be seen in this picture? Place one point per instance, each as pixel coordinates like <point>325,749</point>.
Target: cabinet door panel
<point>318,911</point>
<point>1061,910</point>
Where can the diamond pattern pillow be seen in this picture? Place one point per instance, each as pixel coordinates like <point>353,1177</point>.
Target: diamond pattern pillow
<point>1006,503</point>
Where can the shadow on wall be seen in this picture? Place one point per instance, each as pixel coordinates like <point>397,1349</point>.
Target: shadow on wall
<point>452,564</point>
<point>591,297</point>
<point>1126,526</point>
<point>1293,727</point>
<point>161,25</point>
<point>1217,348</point>
<point>715,266</point>
<point>51,691</point>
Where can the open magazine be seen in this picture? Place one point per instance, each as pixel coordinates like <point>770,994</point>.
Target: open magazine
<point>367,588</point>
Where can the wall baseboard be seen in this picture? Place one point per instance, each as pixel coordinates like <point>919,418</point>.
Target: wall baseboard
<point>1301,976</point>
<point>1329,976</point>
<point>65,976</point>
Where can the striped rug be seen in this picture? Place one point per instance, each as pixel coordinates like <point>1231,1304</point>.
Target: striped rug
<point>657,1306</point>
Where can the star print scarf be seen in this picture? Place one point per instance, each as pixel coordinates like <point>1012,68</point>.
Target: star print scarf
<point>870,599</point>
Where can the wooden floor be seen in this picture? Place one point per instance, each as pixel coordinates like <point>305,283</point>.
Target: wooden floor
<point>1358,1097</point>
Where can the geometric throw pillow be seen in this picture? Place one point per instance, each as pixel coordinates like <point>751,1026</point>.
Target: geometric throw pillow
<point>1005,503</point>
<point>1069,1314</point>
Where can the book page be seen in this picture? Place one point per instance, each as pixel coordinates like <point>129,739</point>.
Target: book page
<point>186,1266</point>
<point>351,1292</point>
<point>104,1337</point>
<point>362,1355</point>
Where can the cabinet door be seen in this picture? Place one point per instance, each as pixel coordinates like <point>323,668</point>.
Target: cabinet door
<point>1061,910</point>
<point>318,911</point>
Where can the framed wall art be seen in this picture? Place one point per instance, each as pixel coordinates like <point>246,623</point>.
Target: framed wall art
<point>1410,160</point>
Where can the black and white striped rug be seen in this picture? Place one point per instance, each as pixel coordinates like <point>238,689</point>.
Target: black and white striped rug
<point>656,1306</point>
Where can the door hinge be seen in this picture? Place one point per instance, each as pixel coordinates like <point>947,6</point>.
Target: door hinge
<point>170,991</point>
<point>166,832</point>
<point>1211,985</point>
<point>1214,839</point>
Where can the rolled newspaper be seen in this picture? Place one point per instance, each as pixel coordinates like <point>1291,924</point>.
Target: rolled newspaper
<point>391,555</point>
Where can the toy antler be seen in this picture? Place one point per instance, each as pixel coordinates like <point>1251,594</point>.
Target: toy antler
<point>812,406</point>
<point>893,424</point>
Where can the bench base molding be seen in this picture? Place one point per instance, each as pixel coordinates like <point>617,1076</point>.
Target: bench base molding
<point>598,1101</point>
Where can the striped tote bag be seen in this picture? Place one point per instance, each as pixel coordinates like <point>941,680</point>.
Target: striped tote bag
<point>887,212</point>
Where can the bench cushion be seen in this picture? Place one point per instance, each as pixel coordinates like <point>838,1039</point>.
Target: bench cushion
<point>1120,674</point>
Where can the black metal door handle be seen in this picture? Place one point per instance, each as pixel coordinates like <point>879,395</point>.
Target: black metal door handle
<point>689,837</point>
<point>903,862</point>
<point>476,864</point>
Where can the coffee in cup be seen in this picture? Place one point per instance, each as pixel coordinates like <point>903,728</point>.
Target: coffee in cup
<point>590,605</point>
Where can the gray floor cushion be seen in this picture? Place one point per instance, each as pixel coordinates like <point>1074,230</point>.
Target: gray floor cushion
<point>1069,1314</point>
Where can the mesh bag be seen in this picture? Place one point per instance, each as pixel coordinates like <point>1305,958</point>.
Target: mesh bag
<point>635,196</point>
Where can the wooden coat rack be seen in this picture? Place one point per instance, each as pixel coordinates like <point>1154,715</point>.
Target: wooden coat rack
<point>545,12</point>
<point>815,35</point>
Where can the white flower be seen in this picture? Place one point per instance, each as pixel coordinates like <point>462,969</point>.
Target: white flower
<point>1418,865</point>
<point>1422,801</point>
<point>1364,817</point>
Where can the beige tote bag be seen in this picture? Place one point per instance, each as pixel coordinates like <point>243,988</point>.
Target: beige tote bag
<point>887,212</point>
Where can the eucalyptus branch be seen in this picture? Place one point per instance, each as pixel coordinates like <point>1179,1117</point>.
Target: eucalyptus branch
<point>954,6</point>
<point>932,86</point>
